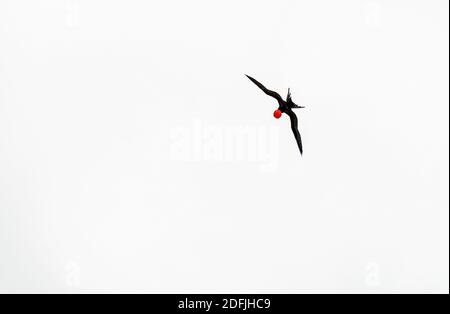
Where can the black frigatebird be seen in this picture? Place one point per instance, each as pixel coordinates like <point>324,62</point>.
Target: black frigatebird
<point>285,106</point>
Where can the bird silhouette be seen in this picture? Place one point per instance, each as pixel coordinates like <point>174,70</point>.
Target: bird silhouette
<point>284,106</point>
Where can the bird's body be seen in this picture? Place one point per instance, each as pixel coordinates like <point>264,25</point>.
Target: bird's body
<point>284,106</point>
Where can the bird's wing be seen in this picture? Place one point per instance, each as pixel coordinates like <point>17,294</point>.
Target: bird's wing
<point>294,127</point>
<point>265,90</point>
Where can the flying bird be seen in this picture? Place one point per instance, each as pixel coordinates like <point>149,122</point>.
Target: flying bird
<point>284,106</point>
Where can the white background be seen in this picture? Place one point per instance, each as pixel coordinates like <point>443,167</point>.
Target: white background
<point>97,97</point>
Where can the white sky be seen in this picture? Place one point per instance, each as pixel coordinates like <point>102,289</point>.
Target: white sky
<point>96,95</point>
